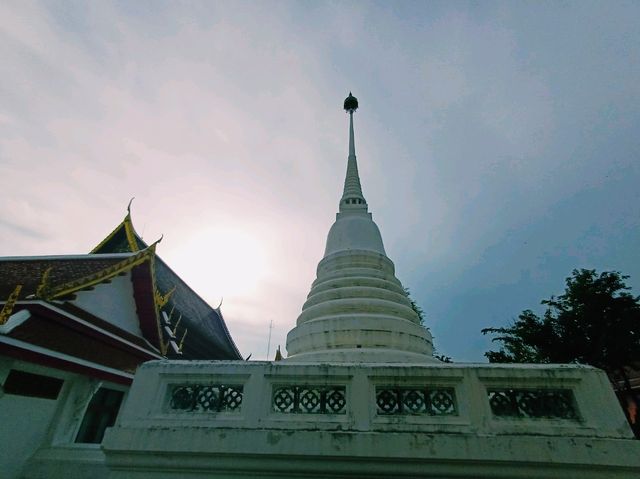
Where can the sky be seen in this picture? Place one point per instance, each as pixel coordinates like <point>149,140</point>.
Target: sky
<point>498,145</point>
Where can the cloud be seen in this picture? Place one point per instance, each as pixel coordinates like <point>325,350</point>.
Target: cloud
<point>487,135</point>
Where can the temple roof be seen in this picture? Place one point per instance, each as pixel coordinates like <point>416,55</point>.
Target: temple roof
<point>29,271</point>
<point>54,277</point>
<point>207,335</point>
<point>173,320</point>
<point>59,279</point>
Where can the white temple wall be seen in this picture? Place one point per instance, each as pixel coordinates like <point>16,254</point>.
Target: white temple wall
<point>38,435</point>
<point>26,422</point>
<point>61,456</point>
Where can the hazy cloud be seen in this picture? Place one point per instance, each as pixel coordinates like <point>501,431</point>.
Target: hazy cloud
<point>498,145</point>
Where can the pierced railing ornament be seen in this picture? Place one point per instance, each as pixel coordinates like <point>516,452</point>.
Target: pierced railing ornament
<point>310,399</point>
<point>418,401</point>
<point>206,398</point>
<point>533,403</point>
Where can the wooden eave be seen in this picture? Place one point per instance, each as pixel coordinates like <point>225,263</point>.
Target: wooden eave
<point>35,354</point>
<point>56,330</point>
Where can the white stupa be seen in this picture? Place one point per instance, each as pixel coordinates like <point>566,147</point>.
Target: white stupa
<point>360,395</point>
<point>357,310</point>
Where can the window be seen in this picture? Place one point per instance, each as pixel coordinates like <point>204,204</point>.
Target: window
<point>101,414</point>
<point>33,385</point>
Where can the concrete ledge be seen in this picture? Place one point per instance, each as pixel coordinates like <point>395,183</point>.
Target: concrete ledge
<point>203,452</point>
<point>68,462</point>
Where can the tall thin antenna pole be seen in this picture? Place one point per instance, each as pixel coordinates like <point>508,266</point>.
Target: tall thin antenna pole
<point>269,342</point>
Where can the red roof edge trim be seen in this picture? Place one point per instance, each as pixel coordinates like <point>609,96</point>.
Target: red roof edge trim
<point>121,343</point>
<point>144,295</point>
<point>62,364</point>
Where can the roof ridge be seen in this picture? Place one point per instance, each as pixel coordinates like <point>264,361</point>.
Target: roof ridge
<point>53,257</point>
<point>133,238</point>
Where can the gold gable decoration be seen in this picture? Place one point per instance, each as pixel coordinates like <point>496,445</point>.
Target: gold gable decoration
<point>175,328</point>
<point>42,291</point>
<point>182,340</point>
<point>163,299</point>
<point>129,231</point>
<point>5,313</point>
<point>163,346</point>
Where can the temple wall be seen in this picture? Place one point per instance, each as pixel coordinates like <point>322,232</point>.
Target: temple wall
<point>256,419</point>
<point>38,434</point>
<point>26,421</point>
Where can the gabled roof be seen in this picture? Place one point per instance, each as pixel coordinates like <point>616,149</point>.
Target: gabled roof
<point>57,278</point>
<point>185,312</point>
<point>173,317</point>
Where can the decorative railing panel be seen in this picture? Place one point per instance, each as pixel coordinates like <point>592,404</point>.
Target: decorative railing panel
<point>205,397</point>
<point>310,399</point>
<point>419,401</point>
<point>533,403</point>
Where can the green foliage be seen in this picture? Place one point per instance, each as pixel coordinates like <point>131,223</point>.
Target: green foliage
<point>443,358</point>
<point>418,310</point>
<point>594,322</point>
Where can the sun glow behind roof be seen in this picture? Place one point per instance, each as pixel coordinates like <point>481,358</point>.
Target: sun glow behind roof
<point>222,262</point>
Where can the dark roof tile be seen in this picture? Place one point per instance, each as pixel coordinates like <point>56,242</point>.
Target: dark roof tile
<point>29,271</point>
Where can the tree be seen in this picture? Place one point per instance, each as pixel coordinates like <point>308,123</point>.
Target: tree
<point>596,321</point>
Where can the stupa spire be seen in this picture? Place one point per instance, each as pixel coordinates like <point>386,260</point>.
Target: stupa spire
<point>352,197</point>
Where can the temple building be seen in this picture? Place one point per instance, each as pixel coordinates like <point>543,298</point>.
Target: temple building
<point>74,329</point>
<point>358,395</point>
